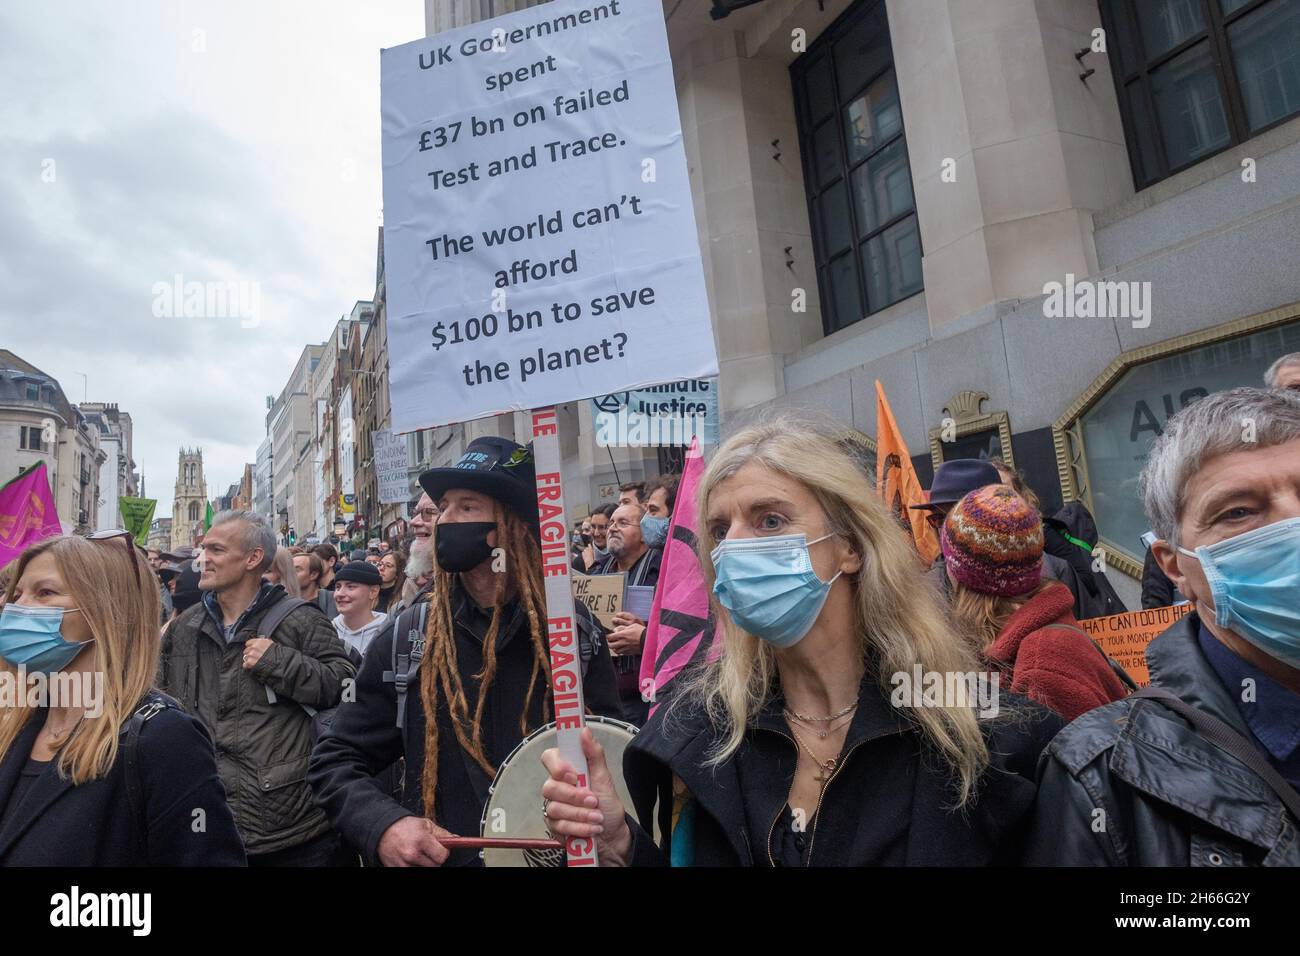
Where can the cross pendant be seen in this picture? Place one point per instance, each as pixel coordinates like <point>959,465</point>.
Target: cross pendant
<point>824,770</point>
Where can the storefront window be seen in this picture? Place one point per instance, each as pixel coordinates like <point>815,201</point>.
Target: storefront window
<point>1117,429</point>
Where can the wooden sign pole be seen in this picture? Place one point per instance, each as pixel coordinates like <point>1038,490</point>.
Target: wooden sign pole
<point>561,620</point>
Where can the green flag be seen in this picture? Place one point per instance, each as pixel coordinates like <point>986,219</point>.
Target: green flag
<point>207,518</point>
<point>137,514</point>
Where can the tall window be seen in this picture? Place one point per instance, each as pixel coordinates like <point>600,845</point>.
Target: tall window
<point>1195,77</point>
<point>194,511</point>
<point>860,203</point>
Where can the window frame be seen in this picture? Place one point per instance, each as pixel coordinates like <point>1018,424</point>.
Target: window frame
<point>822,50</point>
<point>1225,72</point>
<point>25,435</point>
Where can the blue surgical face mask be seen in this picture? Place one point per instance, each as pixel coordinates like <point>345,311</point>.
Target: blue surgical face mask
<point>599,552</point>
<point>1255,580</point>
<point>769,587</point>
<point>654,531</point>
<point>29,637</point>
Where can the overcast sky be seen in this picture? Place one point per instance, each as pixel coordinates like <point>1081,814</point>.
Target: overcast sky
<point>222,141</point>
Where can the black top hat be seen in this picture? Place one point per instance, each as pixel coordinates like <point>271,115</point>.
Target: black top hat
<point>956,479</point>
<point>496,467</point>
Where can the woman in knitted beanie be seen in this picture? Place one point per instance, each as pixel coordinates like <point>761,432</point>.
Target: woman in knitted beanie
<point>1024,627</point>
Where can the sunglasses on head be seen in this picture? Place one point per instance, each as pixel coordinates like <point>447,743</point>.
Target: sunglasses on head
<point>935,519</point>
<point>130,544</point>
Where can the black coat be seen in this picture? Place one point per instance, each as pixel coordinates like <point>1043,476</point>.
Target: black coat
<point>1094,595</point>
<point>364,738</point>
<point>885,806</point>
<point>1131,784</point>
<point>59,824</point>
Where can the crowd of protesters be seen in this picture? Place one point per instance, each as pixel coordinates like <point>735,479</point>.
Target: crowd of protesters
<point>319,708</point>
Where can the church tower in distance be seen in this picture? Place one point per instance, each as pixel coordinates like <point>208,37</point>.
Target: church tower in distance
<point>190,503</point>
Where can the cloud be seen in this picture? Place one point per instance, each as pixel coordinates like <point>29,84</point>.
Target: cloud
<point>128,158</point>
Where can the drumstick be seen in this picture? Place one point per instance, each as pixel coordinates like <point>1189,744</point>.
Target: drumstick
<point>499,843</point>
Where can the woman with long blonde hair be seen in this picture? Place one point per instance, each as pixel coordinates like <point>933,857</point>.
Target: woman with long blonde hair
<point>818,737</point>
<point>97,768</point>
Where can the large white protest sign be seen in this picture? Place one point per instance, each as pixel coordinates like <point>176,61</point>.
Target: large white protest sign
<point>390,467</point>
<point>539,240</point>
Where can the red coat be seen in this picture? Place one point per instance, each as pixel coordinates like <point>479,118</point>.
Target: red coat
<point>1051,662</point>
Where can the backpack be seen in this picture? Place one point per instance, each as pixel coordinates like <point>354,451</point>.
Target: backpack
<point>320,719</point>
<point>130,750</point>
<point>408,650</point>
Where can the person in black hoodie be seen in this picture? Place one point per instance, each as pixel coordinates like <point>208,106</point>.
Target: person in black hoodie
<point>812,740</point>
<point>455,694</point>
<point>1071,534</point>
<point>103,770</point>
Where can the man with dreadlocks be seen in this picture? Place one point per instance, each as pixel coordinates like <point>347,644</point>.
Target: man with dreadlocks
<point>473,654</point>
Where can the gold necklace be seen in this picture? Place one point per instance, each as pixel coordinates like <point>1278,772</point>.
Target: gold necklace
<point>822,734</point>
<point>57,736</point>
<point>835,716</point>
<point>825,768</point>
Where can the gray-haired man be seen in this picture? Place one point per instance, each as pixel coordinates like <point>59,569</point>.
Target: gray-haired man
<point>1284,373</point>
<point>255,689</point>
<point>1139,782</point>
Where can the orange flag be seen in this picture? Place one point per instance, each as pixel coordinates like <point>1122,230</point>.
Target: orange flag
<point>897,482</point>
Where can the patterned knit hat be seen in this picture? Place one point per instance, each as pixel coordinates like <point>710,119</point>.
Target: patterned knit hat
<point>992,542</point>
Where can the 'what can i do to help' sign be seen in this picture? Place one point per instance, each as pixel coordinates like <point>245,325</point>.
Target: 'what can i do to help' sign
<point>539,240</point>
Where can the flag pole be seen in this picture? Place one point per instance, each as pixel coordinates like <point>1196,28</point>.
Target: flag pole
<point>561,619</point>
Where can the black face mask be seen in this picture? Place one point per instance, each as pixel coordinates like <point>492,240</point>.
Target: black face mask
<point>586,538</point>
<point>462,545</point>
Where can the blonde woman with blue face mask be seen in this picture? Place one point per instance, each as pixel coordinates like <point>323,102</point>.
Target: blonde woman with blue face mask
<point>803,744</point>
<point>98,769</point>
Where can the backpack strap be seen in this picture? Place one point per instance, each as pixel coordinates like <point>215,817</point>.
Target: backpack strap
<point>408,650</point>
<point>135,796</point>
<point>1124,677</point>
<point>589,637</point>
<point>267,625</point>
<point>1229,741</point>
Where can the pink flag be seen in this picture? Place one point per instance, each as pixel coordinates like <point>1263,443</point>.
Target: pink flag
<point>27,513</point>
<point>681,630</point>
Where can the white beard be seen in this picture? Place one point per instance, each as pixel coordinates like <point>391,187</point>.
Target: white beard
<point>420,562</point>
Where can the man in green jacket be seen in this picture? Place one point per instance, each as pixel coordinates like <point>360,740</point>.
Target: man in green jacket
<point>256,693</point>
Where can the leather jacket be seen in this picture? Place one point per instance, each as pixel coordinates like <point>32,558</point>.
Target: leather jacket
<point>1132,784</point>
